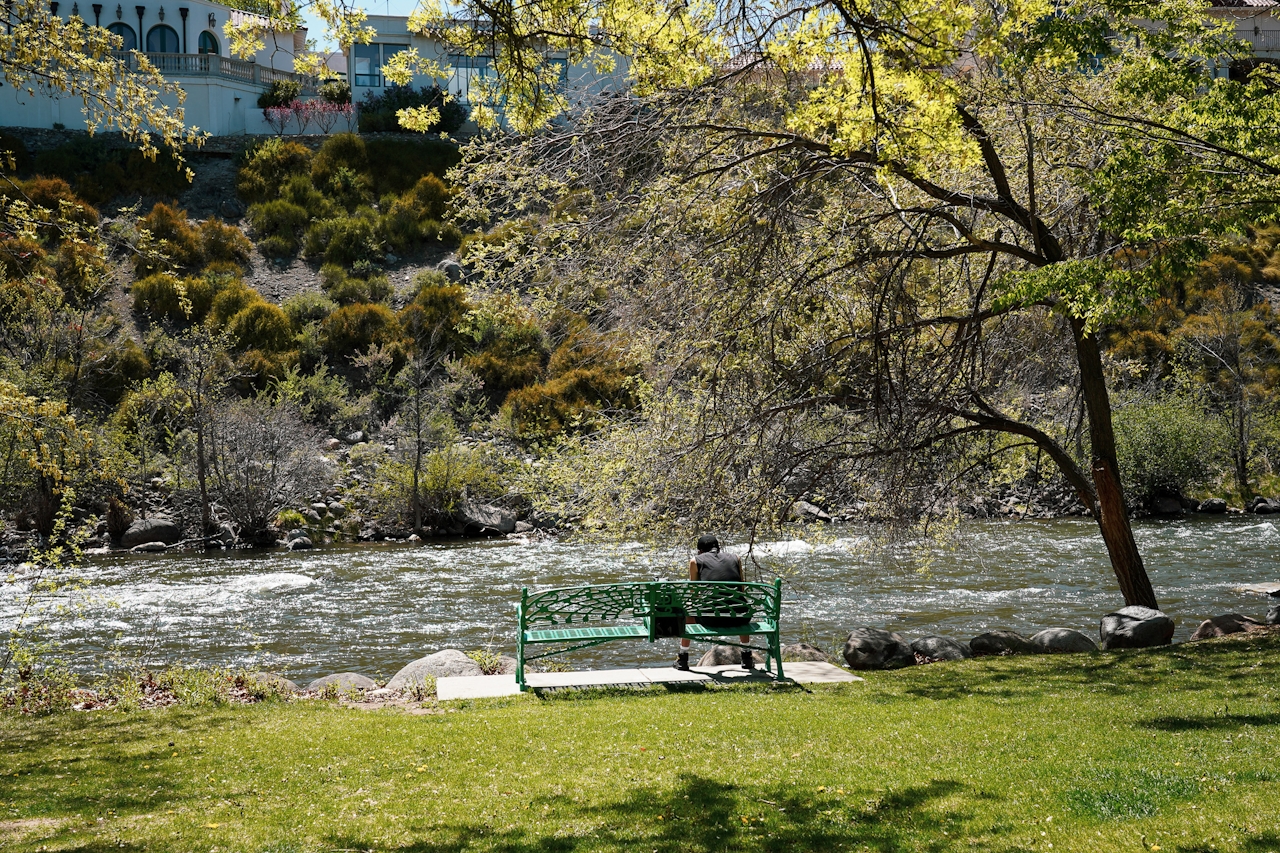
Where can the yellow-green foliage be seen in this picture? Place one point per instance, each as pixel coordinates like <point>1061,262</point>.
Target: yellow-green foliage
<point>509,348</point>
<point>19,256</point>
<point>223,244</point>
<point>232,298</point>
<point>279,225</point>
<point>170,234</point>
<point>349,288</point>
<point>113,366</point>
<point>429,199</point>
<point>56,196</point>
<point>81,271</point>
<point>160,296</point>
<point>308,307</point>
<point>268,167</point>
<point>434,318</point>
<point>345,240</point>
<point>261,326</point>
<point>355,328</point>
<point>340,151</point>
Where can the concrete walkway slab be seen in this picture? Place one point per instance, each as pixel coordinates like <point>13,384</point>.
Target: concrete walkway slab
<point>489,686</point>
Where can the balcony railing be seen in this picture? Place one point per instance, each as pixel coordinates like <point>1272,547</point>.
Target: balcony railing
<point>212,65</point>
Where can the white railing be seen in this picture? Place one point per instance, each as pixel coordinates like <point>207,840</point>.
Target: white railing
<point>212,65</point>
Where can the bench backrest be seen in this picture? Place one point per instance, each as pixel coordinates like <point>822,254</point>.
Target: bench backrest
<point>637,600</point>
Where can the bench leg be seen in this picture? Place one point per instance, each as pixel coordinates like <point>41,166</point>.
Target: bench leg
<point>520,661</point>
<point>775,647</point>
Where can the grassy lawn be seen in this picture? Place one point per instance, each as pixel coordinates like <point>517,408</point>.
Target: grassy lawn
<point>1176,749</point>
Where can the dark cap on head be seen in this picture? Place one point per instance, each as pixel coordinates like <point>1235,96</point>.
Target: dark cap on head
<point>707,542</point>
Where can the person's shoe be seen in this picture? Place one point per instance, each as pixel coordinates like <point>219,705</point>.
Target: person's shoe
<point>748,659</point>
<point>682,662</point>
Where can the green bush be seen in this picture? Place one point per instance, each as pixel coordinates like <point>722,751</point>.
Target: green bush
<point>414,218</point>
<point>19,257</point>
<point>342,150</point>
<point>261,326</point>
<point>346,240</point>
<point>81,271</point>
<point>350,288</point>
<point>1171,443</point>
<point>449,476</point>
<point>99,174</point>
<point>354,328</point>
<point>510,349</point>
<point>281,93</point>
<point>571,401</point>
<point>232,298</point>
<point>307,308</point>
<point>335,92</point>
<point>324,400</point>
<point>429,198</point>
<point>435,316</point>
<point>378,112</point>
<point>300,191</point>
<point>159,296</point>
<point>120,364</point>
<point>56,196</point>
<point>170,243</point>
<point>402,163</point>
<point>224,244</point>
<point>268,166</point>
<point>280,221</point>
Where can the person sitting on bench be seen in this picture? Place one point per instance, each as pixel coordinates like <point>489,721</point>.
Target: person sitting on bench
<point>711,565</point>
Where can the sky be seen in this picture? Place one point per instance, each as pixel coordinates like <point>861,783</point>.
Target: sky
<point>315,27</point>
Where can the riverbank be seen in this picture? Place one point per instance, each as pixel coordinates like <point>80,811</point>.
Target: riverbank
<point>1167,749</point>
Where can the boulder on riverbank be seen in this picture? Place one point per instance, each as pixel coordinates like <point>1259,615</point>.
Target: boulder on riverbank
<point>1273,614</point>
<point>934,648</point>
<point>1001,642</point>
<point>154,529</point>
<point>1264,506</point>
<point>728,656</point>
<point>1212,506</point>
<point>876,648</point>
<point>487,520</point>
<point>343,682</point>
<point>443,664</point>
<point>1221,626</point>
<point>1062,641</point>
<point>1135,627</point>
<point>272,682</point>
<point>804,652</point>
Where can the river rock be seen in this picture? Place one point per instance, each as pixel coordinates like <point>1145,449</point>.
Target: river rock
<point>321,508</point>
<point>1213,506</point>
<point>1166,505</point>
<point>1221,626</point>
<point>1135,627</point>
<point>442,664</point>
<point>1264,506</point>
<point>804,652</point>
<point>149,548</point>
<point>337,509</point>
<point>154,529</point>
<point>273,682</point>
<point>301,543</point>
<point>1001,642</point>
<point>934,648</point>
<point>728,656</point>
<point>805,511</point>
<point>876,648</point>
<point>344,682</point>
<point>481,519</point>
<point>1062,641</point>
<point>1273,614</point>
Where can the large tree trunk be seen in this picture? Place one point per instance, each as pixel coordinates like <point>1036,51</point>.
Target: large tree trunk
<point>1113,515</point>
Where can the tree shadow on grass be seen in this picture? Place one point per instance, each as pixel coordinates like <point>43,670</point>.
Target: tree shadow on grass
<point>701,815</point>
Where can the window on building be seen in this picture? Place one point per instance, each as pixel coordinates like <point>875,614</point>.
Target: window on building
<point>162,39</point>
<point>208,43</point>
<point>369,59</point>
<point>128,41</point>
<point>469,74</point>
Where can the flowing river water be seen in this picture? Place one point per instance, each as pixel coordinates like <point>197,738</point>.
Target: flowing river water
<point>371,609</point>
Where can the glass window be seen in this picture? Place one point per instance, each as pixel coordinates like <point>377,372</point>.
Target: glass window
<point>469,72</point>
<point>128,40</point>
<point>208,43</point>
<point>162,39</point>
<point>368,62</point>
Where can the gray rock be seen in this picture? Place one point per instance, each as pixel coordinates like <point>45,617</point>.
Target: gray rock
<point>450,268</point>
<point>337,509</point>
<point>940,648</point>
<point>354,437</point>
<point>311,516</point>
<point>804,652</point>
<point>1264,506</point>
<point>876,648</point>
<point>1166,505</point>
<point>485,518</point>
<point>1135,628</point>
<point>149,548</point>
<point>321,508</point>
<point>302,543</point>
<point>231,208</point>
<point>1001,642</point>
<point>727,656</point>
<point>154,529</point>
<point>344,682</point>
<point>506,665</point>
<point>1213,506</point>
<point>273,682</point>
<point>1221,626</point>
<point>332,444</point>
<point>442,664</point>
<point>1062,640</point>
<point>805,511</point>
<point>1273,614</point>
<point>524,527</point>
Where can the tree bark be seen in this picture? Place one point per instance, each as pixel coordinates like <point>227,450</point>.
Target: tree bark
<point>1110,509</point>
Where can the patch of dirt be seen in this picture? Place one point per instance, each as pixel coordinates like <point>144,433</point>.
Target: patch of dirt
<point>17,830</point>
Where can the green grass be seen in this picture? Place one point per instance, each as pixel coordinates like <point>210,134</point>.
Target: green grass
<point>1173,749</point>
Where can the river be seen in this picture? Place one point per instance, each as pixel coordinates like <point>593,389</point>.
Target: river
<point>371,609</point>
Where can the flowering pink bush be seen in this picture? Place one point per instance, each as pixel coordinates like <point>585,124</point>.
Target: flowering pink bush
<point>324,114</point>
<point>278,118</point>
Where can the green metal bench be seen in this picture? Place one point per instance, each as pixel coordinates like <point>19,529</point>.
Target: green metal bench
<point>571,618</point>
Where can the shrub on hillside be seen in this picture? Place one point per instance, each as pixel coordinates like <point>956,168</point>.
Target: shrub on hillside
<point>342,150</point>
<point>232,298</point>
<point>19,257</point>
<point>167,241</point>
<point>402,162</point>
<point>221,243</point>
<point>268,166</point>
<point>378,112</point>
<point>261,326</point>
<point>345,240</point>
<point>56,196</point>
<point>347,288</point>
<point>278,226</point>
<point>119,364</point>
<point>429,198</point>
<point>509,349</point>
<point>355,328</point>
<point>81,271</point>
<point>300,191</point>
<point>308,307</point>
<point>413,219</point>
<point>98,173</point>
<point>160,296</point>
<point>1170,443</point>
<point>335,92</point>
<point>434,318</point>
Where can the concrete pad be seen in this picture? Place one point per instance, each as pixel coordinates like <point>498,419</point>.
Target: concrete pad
<point>475,687</point>
<point>591,678</point>
<point>817,672</point>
